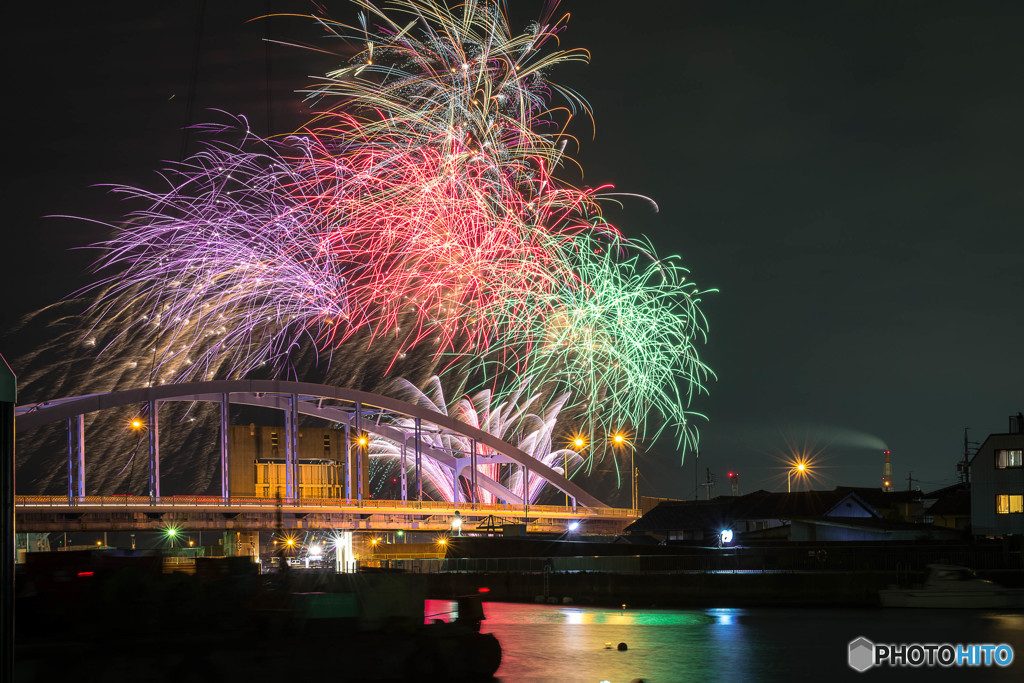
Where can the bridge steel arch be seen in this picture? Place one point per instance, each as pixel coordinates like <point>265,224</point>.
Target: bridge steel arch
<point>296,398</point>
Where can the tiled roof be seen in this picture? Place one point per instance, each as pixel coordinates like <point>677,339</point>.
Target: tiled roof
<point>725,511</point>
<point>953,503</point>
<point>880,499</point>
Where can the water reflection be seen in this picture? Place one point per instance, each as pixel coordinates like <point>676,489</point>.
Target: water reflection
<point>568,643</point>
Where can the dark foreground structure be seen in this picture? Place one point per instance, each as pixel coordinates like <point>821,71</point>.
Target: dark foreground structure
<point>837,574</point>
<point>115,616</point>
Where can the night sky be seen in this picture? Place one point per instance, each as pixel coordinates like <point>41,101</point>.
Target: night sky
<point>849,175</point>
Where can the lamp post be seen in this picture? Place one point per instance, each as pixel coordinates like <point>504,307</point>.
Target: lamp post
<point>800,468</point>
<point>579,443</point>
<point>619,439</point>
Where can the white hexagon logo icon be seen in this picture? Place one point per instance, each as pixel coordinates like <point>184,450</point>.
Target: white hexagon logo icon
<point>862,654</point>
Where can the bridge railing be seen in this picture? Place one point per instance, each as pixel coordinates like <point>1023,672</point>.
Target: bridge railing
<point>499,509</point>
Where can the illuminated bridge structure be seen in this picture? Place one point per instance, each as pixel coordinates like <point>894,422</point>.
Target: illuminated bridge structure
<point>356,412</point>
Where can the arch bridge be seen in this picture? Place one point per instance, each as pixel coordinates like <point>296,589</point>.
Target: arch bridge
<point>412,428</point>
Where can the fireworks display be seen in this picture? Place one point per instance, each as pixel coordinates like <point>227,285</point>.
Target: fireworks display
<point>418,215</point>
<point>512,419</point>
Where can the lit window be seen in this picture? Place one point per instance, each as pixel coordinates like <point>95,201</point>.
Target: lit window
<point>1009,504</point>
<point>1006,458</point>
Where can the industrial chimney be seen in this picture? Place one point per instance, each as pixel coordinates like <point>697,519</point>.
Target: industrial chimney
<point>887,472</point>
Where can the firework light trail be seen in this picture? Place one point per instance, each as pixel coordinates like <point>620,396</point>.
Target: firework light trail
<point>510,418</point>
<point>418,215</point>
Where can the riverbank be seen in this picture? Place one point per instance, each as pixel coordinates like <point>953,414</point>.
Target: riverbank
<point>680,590</point>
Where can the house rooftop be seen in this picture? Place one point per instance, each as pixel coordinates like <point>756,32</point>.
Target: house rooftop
<point>724,511</point>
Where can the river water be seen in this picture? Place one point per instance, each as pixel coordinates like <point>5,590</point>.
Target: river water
<point>568,643</point>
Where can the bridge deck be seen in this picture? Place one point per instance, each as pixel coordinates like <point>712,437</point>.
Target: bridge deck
<point>114,513</point>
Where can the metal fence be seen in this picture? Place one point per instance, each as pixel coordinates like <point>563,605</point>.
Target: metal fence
<point>250,501</point>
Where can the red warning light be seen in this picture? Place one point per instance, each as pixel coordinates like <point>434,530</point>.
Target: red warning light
<point>483,589</point>
<point>85,573</point>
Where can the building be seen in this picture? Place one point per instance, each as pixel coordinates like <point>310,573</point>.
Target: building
<point>949,507</point>
<point>890,504</point>
<point>760,514</point>
<point>842,514</point>
<point>326,470</point>
<point>997,483</point>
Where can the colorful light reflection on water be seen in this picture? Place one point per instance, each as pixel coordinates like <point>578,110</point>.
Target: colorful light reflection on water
<point>544,642</point>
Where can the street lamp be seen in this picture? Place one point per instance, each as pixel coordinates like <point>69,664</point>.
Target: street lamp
<point>619,439</point>
<point>800,468</point>
<point>579,443</point>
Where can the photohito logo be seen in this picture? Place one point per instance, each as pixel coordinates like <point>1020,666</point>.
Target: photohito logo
<point>863,654</point>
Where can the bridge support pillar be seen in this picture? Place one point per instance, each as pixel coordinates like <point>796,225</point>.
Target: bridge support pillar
<point>473,491</point>
<point>76,458</point>
<point>455,481</point>
<point>359,451</point>
<point>225,432</point>
<point>291,443</point>
<point>419,461</point>
<point>405,478</point>
<point>71,459</point>
<point>526,490</point>
<point>154,450</point>
<point>348,462</point>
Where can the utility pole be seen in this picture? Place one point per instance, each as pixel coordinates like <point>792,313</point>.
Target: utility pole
<point>709,482</point>
<point>963,469</point>
<point>696,474</point>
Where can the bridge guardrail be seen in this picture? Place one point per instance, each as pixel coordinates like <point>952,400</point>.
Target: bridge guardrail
<point>470,509</point>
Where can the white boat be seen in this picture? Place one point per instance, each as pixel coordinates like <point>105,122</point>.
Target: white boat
<point>951,586</point>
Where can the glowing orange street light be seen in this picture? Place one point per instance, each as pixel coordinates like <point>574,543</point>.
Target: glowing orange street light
<point>801,468</point>
<point>620,439</point>
<point>579,443</point>
<point>136,424</point>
